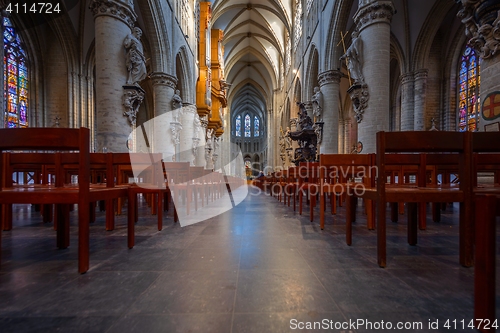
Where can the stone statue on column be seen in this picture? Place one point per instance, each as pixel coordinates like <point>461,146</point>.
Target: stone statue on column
<point>317,103</point>
<point>177,105</point>
<point>209,148</point>
<point>353,58</point>
<point>135,60</point>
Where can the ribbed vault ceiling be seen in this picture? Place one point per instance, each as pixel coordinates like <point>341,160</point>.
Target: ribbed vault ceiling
<point>254,42</point>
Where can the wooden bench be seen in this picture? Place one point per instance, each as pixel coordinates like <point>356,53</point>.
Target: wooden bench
<point>308,185</point>
<point>423,142</point>
<point>341,174</point>
<point>486,149</point>
<point>58,139</point>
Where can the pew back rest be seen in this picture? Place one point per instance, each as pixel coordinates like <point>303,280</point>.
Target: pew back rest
<point>32,139</point>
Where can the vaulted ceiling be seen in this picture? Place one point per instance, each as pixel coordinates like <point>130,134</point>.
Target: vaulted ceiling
<point>254,42</point>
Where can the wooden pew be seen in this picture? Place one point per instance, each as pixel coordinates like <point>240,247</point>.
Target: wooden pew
<point>308,185</point>
<point>340,174</point>
<point>60,139</point>
<point>424,142</point>
<point>291,186</point>
<point>486,149</point>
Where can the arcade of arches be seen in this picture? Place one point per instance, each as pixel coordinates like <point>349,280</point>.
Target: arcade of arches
<point>238,69</point>
<point>224,79</point>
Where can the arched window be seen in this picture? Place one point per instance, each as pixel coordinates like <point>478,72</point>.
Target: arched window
<point>15,78</point>
<point>256,126</point>
<point>248,127</point>
<point>468,91</point>
<point>238,125</point>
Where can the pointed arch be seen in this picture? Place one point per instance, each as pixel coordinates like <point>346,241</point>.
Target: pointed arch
<point>338,22</point>
<point>297,97</point>
<point>184,75</point>
<point>312,71</point>
<point>157,33</point>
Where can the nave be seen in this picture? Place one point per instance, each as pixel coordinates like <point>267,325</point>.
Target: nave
<point>255,268</point>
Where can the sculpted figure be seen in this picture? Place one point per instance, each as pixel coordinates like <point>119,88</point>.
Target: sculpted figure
<point>353,58</point>
<point>135,60</point>
<point>317,102</point>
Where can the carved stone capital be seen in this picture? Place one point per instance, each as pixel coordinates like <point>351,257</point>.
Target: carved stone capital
<point>190,108</point>
<point>374,12</point>
<point>331,76</point>
<point>421,74</point>
<point>121,10</point>
<point>163,79</point>
<point>482,25</point>
<point>407,78</point>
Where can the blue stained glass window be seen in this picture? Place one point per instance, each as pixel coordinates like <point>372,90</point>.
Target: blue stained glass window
<point>248,131</point>
<point>468,91</point>
<point>256,126</point>
<point>238,125</point>
<point>15,79</point>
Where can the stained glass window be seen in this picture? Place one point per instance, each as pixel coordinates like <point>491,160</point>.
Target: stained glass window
<point>256,126</point>
<point>248,131</point>
<point>15,78</point>
<point>468,91</point>
<point>238,125</point>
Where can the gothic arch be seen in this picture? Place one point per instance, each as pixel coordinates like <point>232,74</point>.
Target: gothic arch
<point>338,23</point>
<point>397,53</point>
<point>428,32</point>
<point>285,121</point>
<point>297,97</point>
<point>312,71</point>
<point>451,71</point>
<point>183,74</point>
<point>156,32</point>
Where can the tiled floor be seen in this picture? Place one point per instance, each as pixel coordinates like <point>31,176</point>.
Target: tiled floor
<point>257,268</point>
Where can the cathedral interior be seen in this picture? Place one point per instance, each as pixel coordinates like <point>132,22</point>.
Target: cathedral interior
<point>223,80</point>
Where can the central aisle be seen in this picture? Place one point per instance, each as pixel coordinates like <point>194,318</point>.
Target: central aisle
<point>259,267</point>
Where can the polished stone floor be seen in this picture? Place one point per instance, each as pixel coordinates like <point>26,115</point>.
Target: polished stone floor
<point>259,267</point>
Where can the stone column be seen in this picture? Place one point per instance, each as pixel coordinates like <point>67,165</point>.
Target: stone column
<point>189,112</point>
<point>482,22</point>
<point>373,20</point>
<point>329,83</point>
<point>200,151</point>
<point>420,90</point>
<point>114,20</point>
<point>163,91</point>
<point>407,101</point>
<point>198,142</point>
